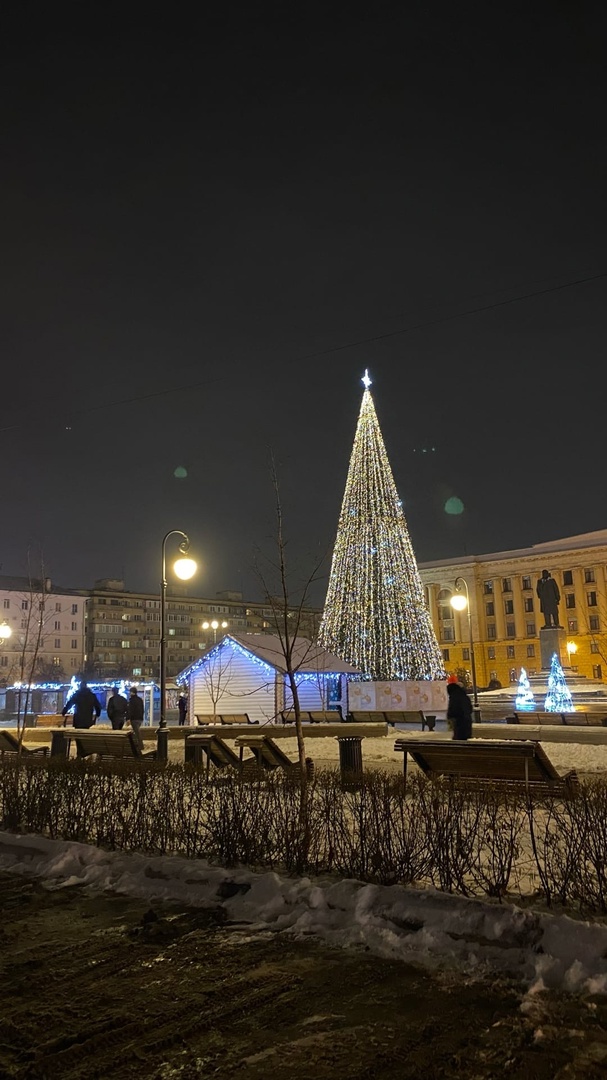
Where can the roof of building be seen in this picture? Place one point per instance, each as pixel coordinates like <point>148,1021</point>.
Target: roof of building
<point>568,543</point>
<point>24,584</point>
<point>307,657</point>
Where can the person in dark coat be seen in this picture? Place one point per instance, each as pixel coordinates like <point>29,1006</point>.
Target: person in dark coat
<point>182,705</point>
<point>135,713</point>
<point>84,703</point>
<point>116,708</point>
<point>459,711</point>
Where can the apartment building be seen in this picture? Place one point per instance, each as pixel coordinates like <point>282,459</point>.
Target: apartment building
<point>123,627</point>
<point>505,613</point>
<point>46,624</point>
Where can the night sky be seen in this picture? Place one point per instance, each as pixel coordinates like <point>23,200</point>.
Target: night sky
<point>210,228</point>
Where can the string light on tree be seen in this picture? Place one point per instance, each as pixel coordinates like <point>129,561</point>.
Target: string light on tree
<point>558,698</point>
<point>524,697</point>
<point>375,616</point>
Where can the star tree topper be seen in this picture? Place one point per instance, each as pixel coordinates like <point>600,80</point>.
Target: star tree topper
<point>366,381</point>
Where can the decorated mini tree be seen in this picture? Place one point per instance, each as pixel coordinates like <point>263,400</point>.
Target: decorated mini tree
<point>524,697</point>
<point>375,616</point>
<point>558,698</point>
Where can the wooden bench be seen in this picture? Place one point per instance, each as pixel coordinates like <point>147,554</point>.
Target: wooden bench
<point>366,718</point>
<point>215,750</point>
<point>204,719</point>
<point>326,716</point>
<point>9,744</point>
<point>53,720</point>
<point>112,744</point>
<point>520,764</point>
<point>268,754</point>
<point>413,717</point>
<point>584,719</point>
<point>524,717</point>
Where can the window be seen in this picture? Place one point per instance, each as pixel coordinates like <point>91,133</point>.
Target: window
<point>594,622</point>
<point>490,608</point>
<point>594,647</point>
<point>597,671</point>
<point>74,626</point>
<point>447,633</point>
<point>57,643</point>
<point>530,629</point>
<point>589,577</point>
<point>506,584</point>
<point>4,661</point>
<point>57,624</point>
<point>125,644</point>
<point>570,600</point>
<point>74,643</point>
<point>572,626</point>
<point>465,654</point>
<point>491,635</point>
<point>531,650</point>
<point>24,605</point>
<point>509,607</point>
<point>7,603</point>
<point>528,602</point>
<point>172,632</point>
<point>74,609</point>
<point>136,671</point>
<point>57,661</point>
<point>444,613</point>
<point>57,607</point>
<point>491,652</point>
<point>567,577</point>
<point>510,629</point>
<point>526,583</point>
<point>591,599</point>
<point>446,655</point>
<point>510,652</point>
<point>488,587</point>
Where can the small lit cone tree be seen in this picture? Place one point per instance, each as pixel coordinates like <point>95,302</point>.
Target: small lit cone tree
<point>375,616</point>
<point>558,698</point>
<point>524,698</point>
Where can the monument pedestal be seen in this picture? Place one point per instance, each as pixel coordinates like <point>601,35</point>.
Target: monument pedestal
<point>553,640</point>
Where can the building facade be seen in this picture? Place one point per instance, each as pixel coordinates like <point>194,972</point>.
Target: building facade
<point>47,630</point>
<point>505,612</point>
<point>123,628</point>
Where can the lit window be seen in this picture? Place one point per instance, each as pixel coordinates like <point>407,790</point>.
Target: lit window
<point>126,644</point>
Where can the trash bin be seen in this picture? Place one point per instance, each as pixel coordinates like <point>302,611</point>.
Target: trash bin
<point>429,722</point>
<point>351,760</point>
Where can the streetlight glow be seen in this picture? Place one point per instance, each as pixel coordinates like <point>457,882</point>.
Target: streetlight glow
<point>185,568</point>
<point>459,602</point>
<point>5,631</point>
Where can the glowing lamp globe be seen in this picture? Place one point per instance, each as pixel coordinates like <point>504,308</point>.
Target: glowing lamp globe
<point>214,624</point>
<point>5,631</point>
<point>185,567</point>
<point>458,602</point>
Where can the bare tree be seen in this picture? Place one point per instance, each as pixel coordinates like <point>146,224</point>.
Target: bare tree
<point>35,617</point>
<point>217,675</point>
<point>289,607</point>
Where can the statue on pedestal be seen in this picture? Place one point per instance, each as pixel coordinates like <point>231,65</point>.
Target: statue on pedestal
<point>549,596</point>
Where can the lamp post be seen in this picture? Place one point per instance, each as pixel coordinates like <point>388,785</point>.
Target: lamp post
<point>214,626</point>
<point>459,602</point>
<point>185,568</point>
<point>571,650</point>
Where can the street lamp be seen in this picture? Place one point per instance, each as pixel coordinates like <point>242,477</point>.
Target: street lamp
<point>460,602</point>
<point>214,626</point>
<point>185,568</point>
<point>5,631</point>
<point>571,650</point>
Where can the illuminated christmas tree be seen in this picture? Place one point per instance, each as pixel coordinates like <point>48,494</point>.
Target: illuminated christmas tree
<point>375,616</point>
<point>558,698</point>
<point>524,697</point>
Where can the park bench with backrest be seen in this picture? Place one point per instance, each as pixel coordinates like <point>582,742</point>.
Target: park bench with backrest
<point>366,718</point>
<point>519,765</point>
<point>585,719</point>
<point>524,717</point>
<point>204,719</point>
<point>9,744</point>
<point>415,716</point>
<point>313,716</point>
<point>53,720</point>
<point>105,744</point>
<point>268,754</point>
<point>214,750</point>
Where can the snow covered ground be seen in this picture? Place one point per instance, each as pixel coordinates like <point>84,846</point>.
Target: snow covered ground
<point>423,927</point>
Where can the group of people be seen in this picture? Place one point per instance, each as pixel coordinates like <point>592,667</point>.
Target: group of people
<point>87,709</point>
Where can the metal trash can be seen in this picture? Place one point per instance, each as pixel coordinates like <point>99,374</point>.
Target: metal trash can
<point>351,760</point>
<point>429,722</point>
